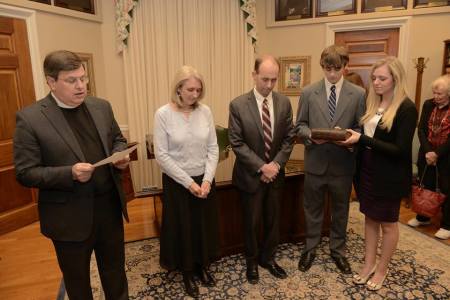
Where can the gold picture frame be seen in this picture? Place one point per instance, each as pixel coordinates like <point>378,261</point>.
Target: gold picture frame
<point>295,74</point>
<point>87,61</point>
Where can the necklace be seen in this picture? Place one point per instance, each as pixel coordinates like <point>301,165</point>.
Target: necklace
<point>380,111</point>
<point>436,128</point>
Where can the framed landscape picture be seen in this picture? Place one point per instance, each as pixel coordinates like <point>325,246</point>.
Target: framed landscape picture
<point>335,7</point>
<point>295,74</point>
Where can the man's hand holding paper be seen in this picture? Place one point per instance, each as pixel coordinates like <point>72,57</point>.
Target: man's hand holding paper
<point>119,159</point>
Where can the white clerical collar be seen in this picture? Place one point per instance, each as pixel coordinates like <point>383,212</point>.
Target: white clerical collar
<point>61,104</point>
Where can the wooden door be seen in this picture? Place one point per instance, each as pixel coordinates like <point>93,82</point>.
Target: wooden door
<point>365,47</point>
<point>17,203</point>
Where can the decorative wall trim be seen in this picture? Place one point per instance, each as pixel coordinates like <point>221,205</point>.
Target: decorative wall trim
<point>403,23</point>
<point>30,19</point>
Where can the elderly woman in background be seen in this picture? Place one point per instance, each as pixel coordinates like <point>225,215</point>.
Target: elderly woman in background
<point>384,175</point>
<point>433,132</point>
<point>187,152</point>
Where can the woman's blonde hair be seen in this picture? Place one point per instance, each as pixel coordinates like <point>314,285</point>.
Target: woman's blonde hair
<point>373,100</point>
<point>183,74</point>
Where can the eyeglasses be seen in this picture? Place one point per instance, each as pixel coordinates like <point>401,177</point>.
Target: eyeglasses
<point>73,80</point>
<point>331,68</point>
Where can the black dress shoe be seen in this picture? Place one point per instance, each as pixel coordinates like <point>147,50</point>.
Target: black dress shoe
<point>190,286</point>
<point>306,260</point>
<point>252,273</point>
<point>274,269</point>
<point>342,263</point>
<point>205,277</point>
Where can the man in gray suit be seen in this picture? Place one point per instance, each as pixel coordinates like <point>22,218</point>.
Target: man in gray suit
<point>261,135</point>
<point>329,167</point>
<point>57,139</point>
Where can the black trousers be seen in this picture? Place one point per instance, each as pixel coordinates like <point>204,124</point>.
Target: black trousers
<point>261,210</point>
<point>107,241</point>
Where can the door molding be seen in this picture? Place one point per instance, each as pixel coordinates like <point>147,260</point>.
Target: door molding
<point>402,23</point>
<point>33,43</point>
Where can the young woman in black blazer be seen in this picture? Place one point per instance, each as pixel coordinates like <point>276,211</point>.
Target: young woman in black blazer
<point>385,167</point>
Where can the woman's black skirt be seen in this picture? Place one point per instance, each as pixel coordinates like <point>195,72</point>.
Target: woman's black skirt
<point>376,208</point>
<point>189,233</point>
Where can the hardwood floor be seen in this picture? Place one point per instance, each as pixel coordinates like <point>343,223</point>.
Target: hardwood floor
<point>28,266</point>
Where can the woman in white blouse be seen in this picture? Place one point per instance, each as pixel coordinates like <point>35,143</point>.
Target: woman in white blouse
<point>187,152</point>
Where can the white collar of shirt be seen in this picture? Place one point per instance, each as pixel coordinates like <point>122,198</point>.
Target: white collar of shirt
<point>259,101</point>
<point>338,87</point>
<point>61,104</point>
<point>260,98</point>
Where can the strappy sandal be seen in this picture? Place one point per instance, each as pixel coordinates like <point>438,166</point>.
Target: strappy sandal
<point>372,286</point>
<point>358,279</point>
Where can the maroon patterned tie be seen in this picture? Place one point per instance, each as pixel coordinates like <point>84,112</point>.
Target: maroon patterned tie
<point>267,129</point>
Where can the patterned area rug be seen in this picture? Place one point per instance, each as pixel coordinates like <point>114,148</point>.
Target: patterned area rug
<point>420,269</point>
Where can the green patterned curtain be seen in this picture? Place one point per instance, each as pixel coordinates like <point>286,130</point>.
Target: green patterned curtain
<point>124,14</point>
<point>249,9</point>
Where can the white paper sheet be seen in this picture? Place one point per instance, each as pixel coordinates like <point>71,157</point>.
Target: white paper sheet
<point>115,157</point>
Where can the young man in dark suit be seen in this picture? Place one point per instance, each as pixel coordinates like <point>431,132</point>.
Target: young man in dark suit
<point>261,135</point>
<point>56,142</point>
<point>329,167</point>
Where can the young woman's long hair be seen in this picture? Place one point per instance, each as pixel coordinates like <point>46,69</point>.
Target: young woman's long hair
<point>373,100</point>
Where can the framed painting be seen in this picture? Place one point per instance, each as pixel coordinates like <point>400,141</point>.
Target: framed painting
<point>430,3</point>
<point>295,74</point>
<point>292,9</point>
<point>335,7</point>
<point>382,5</point>
<point>87,61</point>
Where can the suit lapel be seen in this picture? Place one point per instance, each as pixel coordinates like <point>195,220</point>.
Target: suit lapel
<point>276,119</point>
<point>253,108</point>
<point>55,116</point>
<point>343,101</point>
<point>323,101</point>
<point>98,117</point>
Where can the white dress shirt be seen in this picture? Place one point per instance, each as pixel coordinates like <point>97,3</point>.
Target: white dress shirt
<point>338,88</point>
<point>259,102</point>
